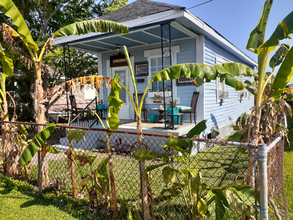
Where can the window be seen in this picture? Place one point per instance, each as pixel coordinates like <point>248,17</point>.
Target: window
<point>222,95</point>
<point>156,66</point>
<point>154,58</point>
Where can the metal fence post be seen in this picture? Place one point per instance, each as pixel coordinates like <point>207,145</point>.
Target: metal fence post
<point>263,185</point>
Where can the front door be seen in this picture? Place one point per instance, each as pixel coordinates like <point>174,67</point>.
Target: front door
<point>123,78</point>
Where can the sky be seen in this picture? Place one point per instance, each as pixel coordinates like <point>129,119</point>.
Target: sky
<point>235,19</point>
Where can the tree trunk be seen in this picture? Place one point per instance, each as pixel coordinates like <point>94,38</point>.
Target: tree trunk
<point>112,178</point>
<point>6,141</point>
<point>71,169</point>
<point>40,118</point>
<point>142,173</point>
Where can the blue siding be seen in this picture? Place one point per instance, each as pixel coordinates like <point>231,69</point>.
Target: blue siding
<point>187,54</point>
<point>216,113</point>
<point>219,113</point>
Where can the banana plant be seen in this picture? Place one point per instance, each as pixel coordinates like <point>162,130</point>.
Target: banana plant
<point>97,183</point>
<point>8,68</point>
<point>113,122</point>
<point>33,57</point>
<point>187,182</point>
<point>38,144</point>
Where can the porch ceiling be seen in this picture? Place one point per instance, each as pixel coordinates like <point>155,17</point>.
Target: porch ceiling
<point>143,36</point>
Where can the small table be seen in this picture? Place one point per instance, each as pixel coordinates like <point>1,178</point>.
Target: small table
<point>172,118</point>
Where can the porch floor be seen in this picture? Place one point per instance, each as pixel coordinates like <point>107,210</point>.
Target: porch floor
<point>149,127</point>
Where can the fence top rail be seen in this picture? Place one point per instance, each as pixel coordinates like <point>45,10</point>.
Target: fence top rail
<point>211,141</point>
<point>273,144</point>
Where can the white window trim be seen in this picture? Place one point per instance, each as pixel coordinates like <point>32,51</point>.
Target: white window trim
<point>244,94</point>
<point>156,53</point>
<point>219,61</point>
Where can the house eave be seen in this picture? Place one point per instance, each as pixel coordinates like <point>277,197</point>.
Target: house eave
<point>202,28</point>
<point>183,17</point>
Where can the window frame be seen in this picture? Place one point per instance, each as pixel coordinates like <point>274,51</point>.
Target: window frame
<point>156,53</point>
<point>220,60</point>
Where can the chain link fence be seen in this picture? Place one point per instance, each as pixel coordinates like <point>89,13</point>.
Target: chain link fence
<point>185,178</point>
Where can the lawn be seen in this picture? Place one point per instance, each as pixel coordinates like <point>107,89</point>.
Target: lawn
<point>19,200</point>
<point>288,175</point>
<point>288,168</point>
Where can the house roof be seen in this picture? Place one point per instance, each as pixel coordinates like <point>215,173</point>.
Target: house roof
<point>138,9</point>
<point>144,17</point>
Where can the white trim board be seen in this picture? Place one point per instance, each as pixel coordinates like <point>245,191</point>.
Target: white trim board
<point>155,52</point>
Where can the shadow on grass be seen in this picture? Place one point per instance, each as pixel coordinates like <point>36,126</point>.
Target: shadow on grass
<point>77,208</point>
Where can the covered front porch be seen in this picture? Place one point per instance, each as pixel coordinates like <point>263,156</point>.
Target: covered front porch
<point>152,46</point>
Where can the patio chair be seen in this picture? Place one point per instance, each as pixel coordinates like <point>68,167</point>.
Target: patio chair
<point>143,109</point>
<point>193,106</point>
<point>74,110</point>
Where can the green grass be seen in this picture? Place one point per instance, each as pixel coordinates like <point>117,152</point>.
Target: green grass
<point>288,176</point>
<point>18,200</point>
<point>288,168</point>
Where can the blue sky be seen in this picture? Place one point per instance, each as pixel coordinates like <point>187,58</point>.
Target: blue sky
<point>235,19</point>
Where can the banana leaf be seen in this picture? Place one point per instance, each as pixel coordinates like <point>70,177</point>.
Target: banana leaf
<point>7,63</point>
<point>283,76</point>
<point>91,26</point>
<point>226,71</point>
<point>257,36</point>
<point>115,104</point>
<point>10,10</point>
<point>36,144</point>
<point>283,30</point>
<point>200,127</point>
<point>76,134</point>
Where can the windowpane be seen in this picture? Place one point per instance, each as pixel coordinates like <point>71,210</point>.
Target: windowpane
<point>154,86</point>
<point>156,66</point>
<point>121,79</point>
<point>153,62</point>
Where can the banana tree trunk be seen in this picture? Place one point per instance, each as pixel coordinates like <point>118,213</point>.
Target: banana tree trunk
<point>6,140</point>
<point>40,118</point>
<point>142,172</point>
<point>112,178</point>
<point>71,170</point>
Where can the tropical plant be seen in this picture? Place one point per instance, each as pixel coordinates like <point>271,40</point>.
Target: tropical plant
<point>187,182</point>
<point>6,134</point>
<point>113,122</point>
<point>37,144</point>
<point>97,183</point>
<point>31,56</point>
<point>78,135</point>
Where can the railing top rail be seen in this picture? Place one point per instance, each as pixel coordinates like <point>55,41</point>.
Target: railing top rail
<point>211,141</point>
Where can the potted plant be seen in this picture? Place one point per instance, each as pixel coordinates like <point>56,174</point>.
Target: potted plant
<point>172,107</point>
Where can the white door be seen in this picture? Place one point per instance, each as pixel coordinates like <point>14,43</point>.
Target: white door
<point>123,78</point>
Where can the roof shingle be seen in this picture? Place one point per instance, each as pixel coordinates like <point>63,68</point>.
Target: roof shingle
<point>137,9</point>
